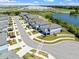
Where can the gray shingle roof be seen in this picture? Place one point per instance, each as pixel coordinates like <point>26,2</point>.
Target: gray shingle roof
<point>36,20</point>
<point>49,26</point>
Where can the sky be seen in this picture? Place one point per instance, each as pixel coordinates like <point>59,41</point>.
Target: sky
<point>39,2</point>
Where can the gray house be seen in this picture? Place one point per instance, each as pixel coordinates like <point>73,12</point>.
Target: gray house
<point>50,28</point>
<point>42,25</point>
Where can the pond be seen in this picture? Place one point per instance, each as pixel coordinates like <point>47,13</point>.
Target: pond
<point>72,19</point>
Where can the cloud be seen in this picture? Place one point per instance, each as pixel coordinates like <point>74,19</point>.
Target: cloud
<point>1,1</point>
<point>15,3</point>
<point>49,0</point>
<point>35,2</point>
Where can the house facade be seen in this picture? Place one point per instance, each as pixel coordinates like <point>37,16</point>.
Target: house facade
<point>42,25</point>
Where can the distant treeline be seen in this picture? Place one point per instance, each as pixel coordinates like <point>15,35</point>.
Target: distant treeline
<point>11,12</point>
<point>65,7</point>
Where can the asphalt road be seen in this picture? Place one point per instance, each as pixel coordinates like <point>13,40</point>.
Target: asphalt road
<point>64,50</point>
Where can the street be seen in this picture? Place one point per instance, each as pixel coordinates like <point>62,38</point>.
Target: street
<point>63,50</point>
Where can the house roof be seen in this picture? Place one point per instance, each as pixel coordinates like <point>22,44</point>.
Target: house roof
<point>38,20</point>
<point>50,26</point>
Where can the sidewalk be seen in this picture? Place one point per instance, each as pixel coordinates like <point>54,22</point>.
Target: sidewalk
<point>16,45</point>
<point>55,39</point>
<point>23,51</point>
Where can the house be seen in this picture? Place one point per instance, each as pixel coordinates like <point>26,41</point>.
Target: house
<point>4,53</point>
<point>42,25</point>
<point>36,21</point>
<point>50,28</point>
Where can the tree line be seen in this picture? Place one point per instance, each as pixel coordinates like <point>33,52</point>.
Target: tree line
<point>11,12</point>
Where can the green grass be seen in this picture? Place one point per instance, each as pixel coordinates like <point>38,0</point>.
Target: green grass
<point>25,28</point>
<point>35,32</point>
<point>29,33</point>
<point>33,50</point>
<point>64,40</point>
<point>17,33</point>
<point>64,32</point>
<point>37,40</point>
<point>16,50</point>
<point>77,39</point>
<point>48,37</point>
<point>11,42</point>
<point>30,56</point>
<point>43,53</point>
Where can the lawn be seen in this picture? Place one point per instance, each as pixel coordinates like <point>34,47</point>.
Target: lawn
<point>64,40</point>
<point>37,40</point>
<point>17,33</point>
<point>33,50</point>
<point>43,53</point>
<point>30,56</point>
<point>40,52</point>
<point>64,32</point>
<point>29,33</point>
<point>48,37</point>
<point>55,41</point>
<point>77,39</point>
<point>35,32</point>
<point>16,50</point>
<point>11,42</point>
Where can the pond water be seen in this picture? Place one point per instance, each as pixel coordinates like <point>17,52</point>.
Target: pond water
<point>72,19</point>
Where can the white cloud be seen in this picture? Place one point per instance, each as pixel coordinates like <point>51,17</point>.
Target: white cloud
<point>35,2</point>
<point>49,0</point>
<point>1,1</point>
<point>15,3</point>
